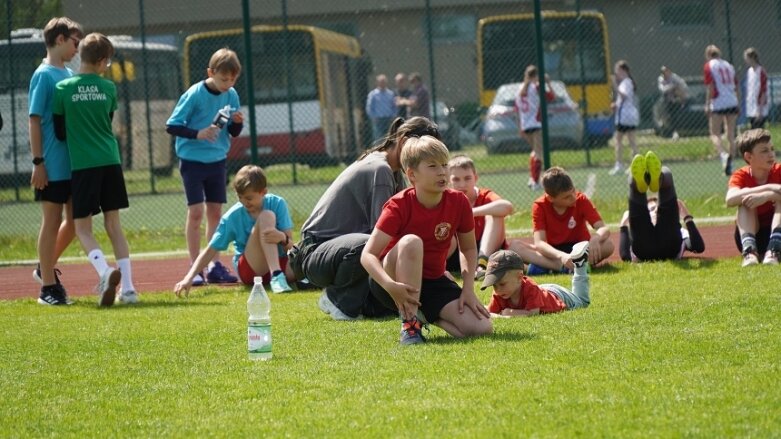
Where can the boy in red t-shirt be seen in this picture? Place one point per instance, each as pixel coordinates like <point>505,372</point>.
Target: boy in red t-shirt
<point>560,219</point>
<point>406,252</point>
<point>756,191</point>
<point>515,295</point>
<point>488,208</point>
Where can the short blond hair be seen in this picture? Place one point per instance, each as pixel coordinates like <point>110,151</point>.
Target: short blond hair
<point>249,178</point>
<point>420,149</point>
<point>712,51</point>
<point>463,162</point>
<point>95,47</point>
<point>556,181</point>
<point>747,140</point>
<point>225,61</point>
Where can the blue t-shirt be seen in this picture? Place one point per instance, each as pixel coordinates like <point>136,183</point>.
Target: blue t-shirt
<point>41,101</point>
<point>196,110</point>
<point>236,225</point>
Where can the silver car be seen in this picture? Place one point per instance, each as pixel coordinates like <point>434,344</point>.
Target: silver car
<point>500,131</point>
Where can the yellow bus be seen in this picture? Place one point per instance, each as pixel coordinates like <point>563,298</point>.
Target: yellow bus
<point>327,88</point>
<point>576,53</point>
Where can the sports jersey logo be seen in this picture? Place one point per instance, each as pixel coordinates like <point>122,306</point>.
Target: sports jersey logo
<point>442,231</point>
<point>571,222</point>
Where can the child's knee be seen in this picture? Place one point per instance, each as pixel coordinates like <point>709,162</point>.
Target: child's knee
<point>410,245</point>
<point>480,327</point>
<point>267,218</point>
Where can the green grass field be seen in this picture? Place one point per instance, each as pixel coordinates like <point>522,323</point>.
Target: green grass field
<point>686,357</point>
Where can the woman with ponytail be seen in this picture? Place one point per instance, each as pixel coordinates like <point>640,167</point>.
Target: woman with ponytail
<point>334,235</point>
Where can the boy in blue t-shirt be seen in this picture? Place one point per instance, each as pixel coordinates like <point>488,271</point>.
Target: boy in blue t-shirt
<point>204,116</point>
<point>260,228</point>
<point>51,166</point>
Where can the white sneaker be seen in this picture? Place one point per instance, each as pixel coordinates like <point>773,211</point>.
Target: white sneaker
<point>770,258</point>
<point>107,286</point>
<point>128,297</point>
<point>617,169</point>
<point>750,259</point>
<point>579,253</point>
<point>326,306</point>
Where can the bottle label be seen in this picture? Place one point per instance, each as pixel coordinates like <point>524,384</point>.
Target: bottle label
<point>259,338</point>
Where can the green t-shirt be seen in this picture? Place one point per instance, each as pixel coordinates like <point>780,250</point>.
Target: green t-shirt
<point>86,100</point>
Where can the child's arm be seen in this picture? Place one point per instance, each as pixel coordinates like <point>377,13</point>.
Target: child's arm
<point>753,196</point>
<point>467,247</point>
<point>237,124</point>
<point>183,286</point>
<point>281,237</point>
<point>370,259</point>
<point>500,208</point>
<point>39,178</point>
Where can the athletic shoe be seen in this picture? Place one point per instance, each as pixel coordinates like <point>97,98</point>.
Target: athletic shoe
<point>482,263</point>
<point>726,163</point>
<point>57,273</point>
<point>411,332</point>
<point>220,275</point>
<point>328,307</point>
<point>279,284</point>
<point>771,258</point>
<point>128,297</point>
<point>107,286</point>
<point>750,258</point>
<point>654,168</point>
<point>638,169</point>
<point>617,169</point>
<point>479,273</point>
<point>536,270</point>
<point>579,253</point>
<point>198,280</point>
<point>53,295</point>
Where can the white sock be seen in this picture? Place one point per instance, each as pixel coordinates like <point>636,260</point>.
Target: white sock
<point>210,266</point>
<point>582,270</point>
<point>98,260</point>
<point>127,276</point>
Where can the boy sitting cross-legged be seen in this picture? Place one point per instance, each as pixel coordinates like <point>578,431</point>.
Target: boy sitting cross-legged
<point>406,252</point>
<point>259,226</point>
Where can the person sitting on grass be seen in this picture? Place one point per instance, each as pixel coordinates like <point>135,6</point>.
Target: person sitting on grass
<point>407,251</point>
<point>650,229</point>
<point>560,218</point>
<point>488,208</point>
<point>516,295</point>
<point>260,228</point>
<point>756,191</point>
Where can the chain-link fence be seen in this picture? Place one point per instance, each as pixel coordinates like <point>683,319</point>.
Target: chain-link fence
<point>308,67</point>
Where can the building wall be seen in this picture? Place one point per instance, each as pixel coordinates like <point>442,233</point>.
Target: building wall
<point>392,32</point>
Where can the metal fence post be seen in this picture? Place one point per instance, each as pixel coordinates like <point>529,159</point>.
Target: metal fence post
<point>144,61</point>
<point>12,75</point>
<point>288,80</point>
<point>729,30</point>
<point>253,138</point>
<point>431,62</point>
<point>583,98</point>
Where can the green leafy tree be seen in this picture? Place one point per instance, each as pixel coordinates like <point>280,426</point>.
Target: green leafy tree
<point>27,13</point>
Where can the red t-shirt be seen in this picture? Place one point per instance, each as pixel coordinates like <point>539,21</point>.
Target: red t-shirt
<point>484,196</point>
<point>532,297</point>
<point>569,227</point>
<point>742,178</point>
<point>404,215</point>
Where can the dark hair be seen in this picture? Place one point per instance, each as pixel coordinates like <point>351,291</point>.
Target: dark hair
<point>95,47</point>
<point>61,26</point>
<point>623,65</point>
<point>747,140</point>
<point>556,181</point>
<point>413,127</point>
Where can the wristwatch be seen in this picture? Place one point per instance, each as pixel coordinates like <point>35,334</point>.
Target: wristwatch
<point>37,160</point>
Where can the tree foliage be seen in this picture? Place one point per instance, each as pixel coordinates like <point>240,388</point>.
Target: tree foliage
<point>27,13</point>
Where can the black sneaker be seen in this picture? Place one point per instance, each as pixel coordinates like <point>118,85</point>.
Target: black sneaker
<point>53,295</point>
<point>57,273</point>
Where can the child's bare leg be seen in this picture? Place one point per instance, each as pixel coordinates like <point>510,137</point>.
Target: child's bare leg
<point>730,122</point>
<point>404,264</point>
<point>530,255</point>
<point>715,123</point>
<point>47,237</point>
<point>213,214</point>
<point>66,233</point>
<point>493,235</point>
<point>83,228</point>
<point>262,256</point>
<point>632,141</point>
<point>464,324</point>
<point>747,220</point>
<point>606,247</point>
<point>193,229</point>
<point>121,248</point>
<point>619,149</point>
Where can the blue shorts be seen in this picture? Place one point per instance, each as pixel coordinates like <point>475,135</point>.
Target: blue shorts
<point>204,181</point>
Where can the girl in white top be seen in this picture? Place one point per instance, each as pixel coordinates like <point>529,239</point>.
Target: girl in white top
<point>721,103</point>
<point>627,114</point>
<point>756,89</point>
<point>530,115</point>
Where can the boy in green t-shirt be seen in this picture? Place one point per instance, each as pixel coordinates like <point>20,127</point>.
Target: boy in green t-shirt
<point>84,106</point>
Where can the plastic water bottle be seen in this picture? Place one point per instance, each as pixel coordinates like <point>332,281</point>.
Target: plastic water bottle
<point>259,322</point>
<point>222,117</point>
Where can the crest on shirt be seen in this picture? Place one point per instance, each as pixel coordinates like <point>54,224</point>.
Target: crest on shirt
<point>442,231</point>
<point>571,222</point>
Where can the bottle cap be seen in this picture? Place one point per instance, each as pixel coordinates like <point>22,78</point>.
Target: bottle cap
<point>258,279</point>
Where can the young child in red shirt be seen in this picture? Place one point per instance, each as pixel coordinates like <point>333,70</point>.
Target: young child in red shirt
<point>756,191</point>
<point>560,219</point>
<point>406,252</point>
<point>515,295</point>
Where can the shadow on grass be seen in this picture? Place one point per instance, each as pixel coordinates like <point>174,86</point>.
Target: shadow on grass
<point>501,336</point>
<point>690,262</point>
<point>93,304</point>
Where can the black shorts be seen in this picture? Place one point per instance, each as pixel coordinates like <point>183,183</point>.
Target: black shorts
<point>98,189</point>
<point>203,181</point>
<point>624,128</point>
<point>58,192</point>
<point>565,247</point>
<point>531,130</point>
<point>434,295</point>
<point>757,122</point>
<point>726,111</point>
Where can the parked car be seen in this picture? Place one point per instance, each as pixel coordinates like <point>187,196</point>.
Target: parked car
<point>449,128</point>
<point>687,118</point>
<point>500,131</point>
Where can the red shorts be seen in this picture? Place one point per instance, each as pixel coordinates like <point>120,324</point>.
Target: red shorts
<point>247,274</point>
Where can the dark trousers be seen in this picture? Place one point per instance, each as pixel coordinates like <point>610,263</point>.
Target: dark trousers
<point>660,241</point>
<point>335,266</point>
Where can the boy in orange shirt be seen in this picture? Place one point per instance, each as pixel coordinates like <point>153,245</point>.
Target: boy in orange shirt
<point>560,219</point>
<point>756,191</point>
<point>515,295</point>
